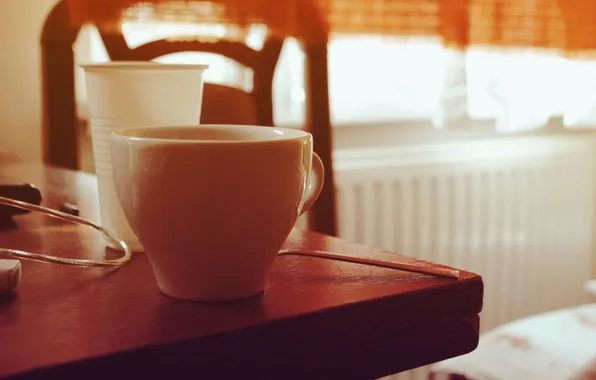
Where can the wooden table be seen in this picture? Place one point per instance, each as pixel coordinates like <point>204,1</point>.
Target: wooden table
<point>317,318</point>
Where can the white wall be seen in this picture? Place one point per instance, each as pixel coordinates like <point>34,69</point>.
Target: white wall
<point>20,78</point>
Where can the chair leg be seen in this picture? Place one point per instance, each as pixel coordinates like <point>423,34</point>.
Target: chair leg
<point>60,130</point>
<point>323,215</point>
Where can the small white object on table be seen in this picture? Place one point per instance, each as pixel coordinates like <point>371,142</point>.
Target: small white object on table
<point>10,276</point>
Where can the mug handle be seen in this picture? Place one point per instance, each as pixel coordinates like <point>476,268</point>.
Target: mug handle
<point>315,183</point>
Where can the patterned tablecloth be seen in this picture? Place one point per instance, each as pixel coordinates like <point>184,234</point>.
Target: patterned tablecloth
<point>552,346</point>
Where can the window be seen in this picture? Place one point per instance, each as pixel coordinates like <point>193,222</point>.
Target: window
<point>384,80</point>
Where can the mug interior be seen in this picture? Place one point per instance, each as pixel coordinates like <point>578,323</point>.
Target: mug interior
<point>211,133</point>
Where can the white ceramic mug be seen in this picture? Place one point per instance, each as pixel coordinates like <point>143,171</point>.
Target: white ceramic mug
<point>213,204</point>
<point>134,94</point>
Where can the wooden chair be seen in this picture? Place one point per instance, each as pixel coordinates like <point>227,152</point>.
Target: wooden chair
<point>221,104</point>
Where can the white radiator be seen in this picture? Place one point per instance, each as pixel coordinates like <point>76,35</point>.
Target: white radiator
<point>518,211</point>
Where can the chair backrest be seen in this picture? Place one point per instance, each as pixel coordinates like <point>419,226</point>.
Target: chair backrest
<point>221,104</point>
<point>261,62</point>
<point>228,105</point>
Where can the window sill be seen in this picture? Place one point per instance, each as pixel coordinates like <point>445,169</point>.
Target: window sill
<point>411,133</point>
<point>387,135</point>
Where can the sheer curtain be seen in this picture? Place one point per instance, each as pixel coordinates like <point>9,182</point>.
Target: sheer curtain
<point>391,79</point>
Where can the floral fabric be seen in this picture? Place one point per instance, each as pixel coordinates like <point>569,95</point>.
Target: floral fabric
<point>552,346</point>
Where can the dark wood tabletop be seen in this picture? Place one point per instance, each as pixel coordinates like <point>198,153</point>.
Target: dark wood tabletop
<point>317,318</point>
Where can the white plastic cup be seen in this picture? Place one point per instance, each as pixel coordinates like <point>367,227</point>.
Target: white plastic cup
<point>135,94</point>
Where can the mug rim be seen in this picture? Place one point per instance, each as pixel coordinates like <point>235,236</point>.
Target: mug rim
<point>283,134</point>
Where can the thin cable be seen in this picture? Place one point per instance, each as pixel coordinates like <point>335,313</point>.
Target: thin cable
<point>410,267</point>
<point>73,219</point>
